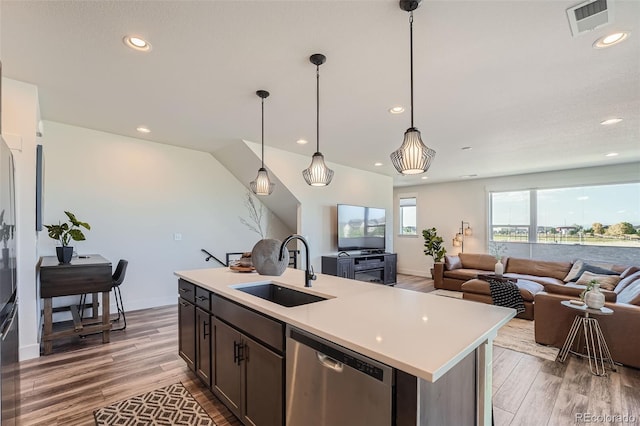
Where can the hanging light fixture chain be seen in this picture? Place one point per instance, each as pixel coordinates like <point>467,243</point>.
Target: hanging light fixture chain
<point>263,133</point>
<point>317,108</point>
<point>411,60</point>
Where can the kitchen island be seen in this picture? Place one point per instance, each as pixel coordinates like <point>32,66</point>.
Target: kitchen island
<point>439,347</point>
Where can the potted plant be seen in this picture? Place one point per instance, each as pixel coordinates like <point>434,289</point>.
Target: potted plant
<point>433,245</point>
<point>6,233</point>
<point>66,232</point>
<point>497,250</point>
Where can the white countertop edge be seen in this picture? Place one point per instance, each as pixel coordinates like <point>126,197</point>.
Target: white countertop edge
<point>265,307</point>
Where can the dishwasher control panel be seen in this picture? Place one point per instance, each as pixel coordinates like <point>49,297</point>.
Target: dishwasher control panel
<point>341,355</point>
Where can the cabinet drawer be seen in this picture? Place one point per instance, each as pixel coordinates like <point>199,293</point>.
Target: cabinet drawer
<point>203,299</point>
<point>254,324</point>
<point>186,290</point>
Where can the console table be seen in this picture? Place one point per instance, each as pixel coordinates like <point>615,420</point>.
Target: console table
<point>84,274</point>
<point>376,268</point>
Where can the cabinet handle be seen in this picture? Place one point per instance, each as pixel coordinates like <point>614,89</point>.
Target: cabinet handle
<point>183,304</point>
<point>238,352</point>
<point>201,298</point>
<point>184,290</point>
<point>204,329</point>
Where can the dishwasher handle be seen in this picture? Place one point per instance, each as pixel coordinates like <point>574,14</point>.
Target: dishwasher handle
<point>329,362</point>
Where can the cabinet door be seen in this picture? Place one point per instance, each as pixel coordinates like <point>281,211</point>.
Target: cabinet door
<point>203,346</point>
<point>263,385</point>
<point>187,332</point>
<point>227,365</point>
<point>345,268</point>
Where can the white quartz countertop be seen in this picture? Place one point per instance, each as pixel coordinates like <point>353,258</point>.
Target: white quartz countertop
<point>422,334</point>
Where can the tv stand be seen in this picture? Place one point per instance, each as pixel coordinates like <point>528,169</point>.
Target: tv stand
<point>372,267</point>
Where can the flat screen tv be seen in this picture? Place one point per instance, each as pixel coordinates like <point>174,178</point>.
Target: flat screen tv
<point>361,228</point>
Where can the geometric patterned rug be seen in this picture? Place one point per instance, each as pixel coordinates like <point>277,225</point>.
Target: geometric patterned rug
<point>171,405</point>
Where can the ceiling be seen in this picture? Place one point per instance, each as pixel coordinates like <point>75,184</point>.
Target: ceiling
<point>503,77</point>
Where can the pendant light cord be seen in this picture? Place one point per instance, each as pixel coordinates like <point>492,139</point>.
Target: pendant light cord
<point>411,56</point>
<point>317,108</point>
<point>263,133</point>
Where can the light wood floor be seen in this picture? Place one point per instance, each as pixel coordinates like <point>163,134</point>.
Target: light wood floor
<point>83,375</point>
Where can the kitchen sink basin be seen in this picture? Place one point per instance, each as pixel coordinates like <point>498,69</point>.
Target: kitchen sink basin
<point>283,296</point>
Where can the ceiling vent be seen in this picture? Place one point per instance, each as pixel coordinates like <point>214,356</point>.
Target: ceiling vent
<point>589,15</point>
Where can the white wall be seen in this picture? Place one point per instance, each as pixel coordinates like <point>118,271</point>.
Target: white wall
<point>445,205</point>
<point>136,195</point>
<point>317,215</point>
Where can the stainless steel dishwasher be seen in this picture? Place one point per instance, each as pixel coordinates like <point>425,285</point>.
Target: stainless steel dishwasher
<point>328,385</point>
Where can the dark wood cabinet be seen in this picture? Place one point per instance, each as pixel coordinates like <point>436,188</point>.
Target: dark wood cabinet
<point>203,345</point>
<point>237,352</point>
<point>187,332</point>
<point>263,383</point>
<point>376,268</point>
<point>227,384</point>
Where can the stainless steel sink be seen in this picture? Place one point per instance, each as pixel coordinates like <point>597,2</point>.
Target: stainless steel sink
<point>283,296</point>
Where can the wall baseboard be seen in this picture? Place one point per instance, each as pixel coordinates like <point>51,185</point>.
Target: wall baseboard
<point>415,272</point>
<point>29,352</point>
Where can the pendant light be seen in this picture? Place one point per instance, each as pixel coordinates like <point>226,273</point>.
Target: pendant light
<point>262,185</point>
<point>413,156</point>
<point>317,174</point>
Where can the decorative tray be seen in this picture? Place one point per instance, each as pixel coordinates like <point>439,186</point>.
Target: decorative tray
<point>239,268</point>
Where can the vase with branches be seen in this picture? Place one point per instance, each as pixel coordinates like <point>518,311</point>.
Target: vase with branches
<point>257,217</point>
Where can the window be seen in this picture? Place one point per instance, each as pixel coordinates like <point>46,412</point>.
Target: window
<point>408,223</point>
<point>590,215</point>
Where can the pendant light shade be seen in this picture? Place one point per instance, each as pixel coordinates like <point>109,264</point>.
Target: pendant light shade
<point>262,185</point>
<point>413,156</point>
<point>317,174</point>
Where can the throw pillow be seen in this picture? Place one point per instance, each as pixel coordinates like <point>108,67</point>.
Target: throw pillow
<point>573,273</point>
<point>452,262</point>
<point>629,271</point>
<point>631,294</point>
<point>588,267</point>
<point>624,282</point>
<point>607,282</point>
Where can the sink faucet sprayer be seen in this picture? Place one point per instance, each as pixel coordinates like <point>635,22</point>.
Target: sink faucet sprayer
<point>308,274</point>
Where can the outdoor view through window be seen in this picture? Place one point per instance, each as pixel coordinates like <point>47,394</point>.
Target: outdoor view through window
<point>594,215</point>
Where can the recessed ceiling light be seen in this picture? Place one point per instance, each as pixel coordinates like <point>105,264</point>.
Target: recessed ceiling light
<point>377,164</point>
<point>302,141</point>
<point>612,154</point>
<point>466,148</point>
<point>396,110</point>
<point>143,129</point>
<point>611,39</point>
<point>468,176</point>
<point>425,177</point>
<point>611,121</point>
<point>137,43</point>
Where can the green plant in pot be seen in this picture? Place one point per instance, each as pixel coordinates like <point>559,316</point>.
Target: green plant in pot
<point>64,233</point>
<point>434,246</point>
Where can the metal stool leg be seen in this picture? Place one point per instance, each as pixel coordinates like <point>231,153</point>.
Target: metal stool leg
<point>120,306</point>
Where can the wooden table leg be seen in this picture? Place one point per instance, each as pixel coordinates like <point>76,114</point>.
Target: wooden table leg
<point>106,320</point>
<point>48,325</point>
<point>94,305</point>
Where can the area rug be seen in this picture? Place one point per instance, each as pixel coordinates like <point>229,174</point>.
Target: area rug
<point>518,335</point>
<point>171,405</point>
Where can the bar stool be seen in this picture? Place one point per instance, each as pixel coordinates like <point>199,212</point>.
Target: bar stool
<point>117,279</point>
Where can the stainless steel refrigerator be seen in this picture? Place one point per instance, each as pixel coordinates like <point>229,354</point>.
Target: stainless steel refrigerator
<point>9,387</point>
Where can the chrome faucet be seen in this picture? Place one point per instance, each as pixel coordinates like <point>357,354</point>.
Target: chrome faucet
<point>308,274</point>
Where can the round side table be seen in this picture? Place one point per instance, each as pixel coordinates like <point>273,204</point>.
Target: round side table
<point>596,347</point>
